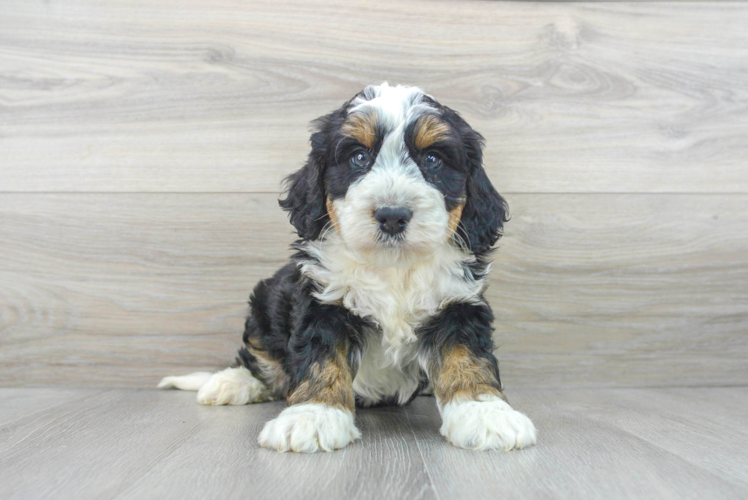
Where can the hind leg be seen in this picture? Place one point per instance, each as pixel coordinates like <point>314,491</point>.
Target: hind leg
<point>191,382</point>
<point>232,386</point>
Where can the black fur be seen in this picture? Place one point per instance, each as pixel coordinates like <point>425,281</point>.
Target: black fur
<point>461,324</point>
<point>296,330</point>
<point>485,210</point>
<point>325,174</point>
<point>305,196</point>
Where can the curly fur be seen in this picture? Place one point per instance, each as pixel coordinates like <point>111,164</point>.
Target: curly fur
<point>372,308</point>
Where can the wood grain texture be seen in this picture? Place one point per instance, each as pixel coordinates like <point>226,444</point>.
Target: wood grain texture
<point>17,405</point>
<point>609,443</point>
<point>621,443</point>
<point>387,462</point>
<point>591,290</point>
<point>216,96</point>
<point>124,444</point>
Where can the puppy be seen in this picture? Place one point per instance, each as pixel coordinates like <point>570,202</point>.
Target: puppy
<point>383,299</point>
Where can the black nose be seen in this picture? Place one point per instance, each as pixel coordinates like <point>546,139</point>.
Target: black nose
<point>392,220</point>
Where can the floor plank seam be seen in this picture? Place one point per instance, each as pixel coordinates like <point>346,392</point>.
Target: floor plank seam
<point>420,452</point>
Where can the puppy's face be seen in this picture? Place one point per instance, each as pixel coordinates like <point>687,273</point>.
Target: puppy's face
<point>396,176</point>
<point>399,176</point>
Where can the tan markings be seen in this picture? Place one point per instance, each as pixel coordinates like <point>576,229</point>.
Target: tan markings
<point>333,215</point>
<point>329,383</point>
<point>430,129</point>
<point>455,215</point>
<point>271,372</point>
<point>463,375</point>
<point>362,127</point>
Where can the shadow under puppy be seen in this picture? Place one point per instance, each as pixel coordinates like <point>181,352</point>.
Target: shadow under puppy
<point>383,299</point>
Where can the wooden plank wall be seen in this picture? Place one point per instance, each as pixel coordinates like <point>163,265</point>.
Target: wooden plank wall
<point>142,145</point>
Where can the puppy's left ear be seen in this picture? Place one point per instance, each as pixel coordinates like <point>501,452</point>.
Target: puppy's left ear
<point>485,211</point>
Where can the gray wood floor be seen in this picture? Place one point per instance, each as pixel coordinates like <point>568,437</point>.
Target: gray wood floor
<point>593,443</point>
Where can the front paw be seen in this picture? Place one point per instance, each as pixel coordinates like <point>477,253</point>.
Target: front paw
<point>309,427</point>
<point>490,424</point>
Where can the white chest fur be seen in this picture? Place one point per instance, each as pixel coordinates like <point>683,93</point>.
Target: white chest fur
<point>397,299</point>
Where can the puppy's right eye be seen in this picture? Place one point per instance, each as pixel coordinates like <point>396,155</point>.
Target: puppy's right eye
<point>360,159</point>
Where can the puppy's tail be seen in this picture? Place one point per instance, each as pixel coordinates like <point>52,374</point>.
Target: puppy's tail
<point>191,382</point>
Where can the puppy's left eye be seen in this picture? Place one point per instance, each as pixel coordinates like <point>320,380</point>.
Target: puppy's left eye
<point>432,161</point>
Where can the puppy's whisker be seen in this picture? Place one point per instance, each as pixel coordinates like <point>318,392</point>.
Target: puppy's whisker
<point>337,146</point>
<point>460,240</point>
<point>456,233</point>
<point>326,230</point>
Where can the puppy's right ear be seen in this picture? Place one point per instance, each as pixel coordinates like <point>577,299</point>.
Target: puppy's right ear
<point>305,199</point>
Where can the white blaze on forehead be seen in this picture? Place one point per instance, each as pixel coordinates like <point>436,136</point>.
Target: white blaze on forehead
<point>395,106</point>
<point>393,157</point>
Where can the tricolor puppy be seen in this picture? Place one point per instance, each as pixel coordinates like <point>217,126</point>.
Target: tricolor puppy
<point>383,299</point>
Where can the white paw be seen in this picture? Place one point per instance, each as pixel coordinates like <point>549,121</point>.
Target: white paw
<point>232,386</point>
<point>489,424</point>
<point>309,427</point>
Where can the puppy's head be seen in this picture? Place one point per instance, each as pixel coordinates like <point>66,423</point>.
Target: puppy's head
<point>397,176</point>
